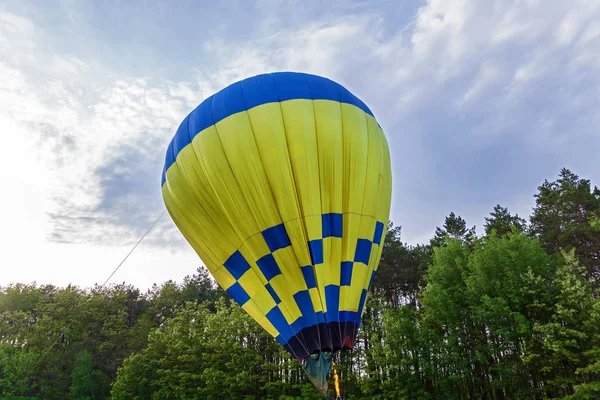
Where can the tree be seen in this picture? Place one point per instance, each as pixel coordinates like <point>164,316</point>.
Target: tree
<point>454,227</point>
<point>589,388</point>
<point>478,311</point>
<point>17,369</point>
<point>446,316</point>
<point>567,337</point>
<point>565,217</point>
<point>200,287</point>
<point>401,269</point>
<point>84,384</point>
<point>503,222</point>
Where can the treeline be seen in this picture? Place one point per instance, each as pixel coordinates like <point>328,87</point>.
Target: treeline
<point>511,313</point>
<point>58,343</point>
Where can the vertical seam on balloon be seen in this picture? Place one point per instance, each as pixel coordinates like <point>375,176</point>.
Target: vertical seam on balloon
<point>362,207</point>
<point>342,332</point>
<point>312,102</point>
<point>187,178</point>
<point>373,260</point>
<point>320,201</point>
<point>323,301</point>
<point>301,335</point>
<point>173,194</point>
<point>298,202</point>
<point>232,173</point>
<point>387,203</point>
<point>300,211</point>
<point>177,203</point>
<point>362,286</point>
<point>278,212</point>
<point>381,204</point>
<point>210,181</point>
<point>185,175</point>
<point>344,238</point>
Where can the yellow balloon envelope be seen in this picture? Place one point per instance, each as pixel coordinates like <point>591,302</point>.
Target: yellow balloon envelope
<point>282,184</point>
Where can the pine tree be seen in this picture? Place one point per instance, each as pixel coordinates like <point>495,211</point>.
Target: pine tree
<point>401,269</point>
<point>565,217</point>
<point>503,222</point>
<point>454,227</point>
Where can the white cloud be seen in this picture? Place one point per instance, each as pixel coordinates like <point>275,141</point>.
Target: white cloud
<point>485,80</point>
<point>462,53</point>
<point>60,126</point>
<point>75,126</point>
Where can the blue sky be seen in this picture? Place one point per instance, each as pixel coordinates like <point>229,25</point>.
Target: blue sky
<point>481,101</point>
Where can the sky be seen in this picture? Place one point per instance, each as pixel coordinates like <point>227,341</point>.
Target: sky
<point>481,101</point>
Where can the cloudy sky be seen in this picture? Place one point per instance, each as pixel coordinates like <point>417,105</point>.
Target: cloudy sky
<point>481,101</point>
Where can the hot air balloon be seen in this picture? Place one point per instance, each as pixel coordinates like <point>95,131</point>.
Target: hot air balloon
<point>281,183</point>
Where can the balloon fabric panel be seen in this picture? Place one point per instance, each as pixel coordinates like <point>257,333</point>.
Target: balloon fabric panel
<point>282,185</point>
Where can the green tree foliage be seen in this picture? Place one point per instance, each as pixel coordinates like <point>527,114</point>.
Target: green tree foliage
<point>84,384</point>
<point>565,337</point>
<point>565,218</point>
<point>55,341</point>
<point>501,221</point>
<point>16,379</point>
<point>402,268</point>
<point>590,387</point>
<point>454,227</point>
<point>501,319</point>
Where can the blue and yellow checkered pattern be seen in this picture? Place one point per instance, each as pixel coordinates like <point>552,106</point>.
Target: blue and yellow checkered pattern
<point>282,185</point>
<point>277,240</point>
